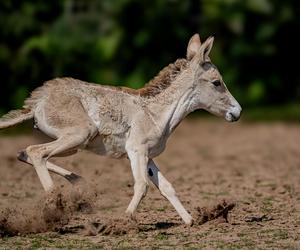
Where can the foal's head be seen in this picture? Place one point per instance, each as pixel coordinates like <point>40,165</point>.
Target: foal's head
<point>210,92</point>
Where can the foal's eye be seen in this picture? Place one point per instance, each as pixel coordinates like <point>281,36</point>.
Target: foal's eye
<point>216,83</point>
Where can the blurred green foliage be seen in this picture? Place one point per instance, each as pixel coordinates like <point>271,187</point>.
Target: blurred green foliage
<point>126,42</point>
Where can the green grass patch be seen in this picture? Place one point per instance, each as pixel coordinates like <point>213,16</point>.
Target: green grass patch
<point>161,236</point>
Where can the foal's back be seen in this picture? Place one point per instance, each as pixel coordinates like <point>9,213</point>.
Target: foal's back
<point>64,105</point>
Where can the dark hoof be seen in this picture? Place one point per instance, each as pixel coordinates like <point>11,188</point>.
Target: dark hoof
<point>73,178</point>
<point>22,156</point>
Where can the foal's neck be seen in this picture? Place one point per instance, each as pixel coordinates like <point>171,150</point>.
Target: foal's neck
<point>169,107</point>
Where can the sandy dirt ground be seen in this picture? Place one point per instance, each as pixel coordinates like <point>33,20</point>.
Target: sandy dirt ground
<point>253,166</point>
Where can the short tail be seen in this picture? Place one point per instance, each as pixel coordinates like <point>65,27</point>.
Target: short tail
<point>14,117</point>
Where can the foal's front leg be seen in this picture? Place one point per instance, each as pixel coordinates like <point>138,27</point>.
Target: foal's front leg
<point>167,190</point>
<point>138,160</point>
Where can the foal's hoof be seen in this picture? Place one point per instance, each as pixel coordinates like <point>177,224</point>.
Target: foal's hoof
<point>190,223</point>
<point>131,217</point>
<point>73,178</point>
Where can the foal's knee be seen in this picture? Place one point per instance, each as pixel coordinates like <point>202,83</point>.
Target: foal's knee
<point>141,187</point>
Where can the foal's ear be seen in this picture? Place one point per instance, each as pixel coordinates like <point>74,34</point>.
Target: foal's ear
<point>205,48</point>
<point>193,46</point>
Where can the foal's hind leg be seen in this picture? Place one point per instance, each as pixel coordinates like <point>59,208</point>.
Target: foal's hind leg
<point>39,154</point>
<point>70,176</point>
<point>61,116</point>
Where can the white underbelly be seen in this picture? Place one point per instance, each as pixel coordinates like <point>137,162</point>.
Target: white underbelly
<point>112,145</point>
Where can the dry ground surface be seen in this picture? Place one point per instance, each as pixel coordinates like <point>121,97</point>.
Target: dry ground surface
<point>256,166</point>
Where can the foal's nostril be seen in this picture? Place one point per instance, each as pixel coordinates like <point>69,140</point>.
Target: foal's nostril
<point>234,116</point>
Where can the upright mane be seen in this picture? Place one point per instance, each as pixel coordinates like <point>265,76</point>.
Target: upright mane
<point>164,78</point>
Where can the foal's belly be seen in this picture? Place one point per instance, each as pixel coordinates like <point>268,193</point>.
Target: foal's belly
<point>113,145</point>
<point>110,145</point>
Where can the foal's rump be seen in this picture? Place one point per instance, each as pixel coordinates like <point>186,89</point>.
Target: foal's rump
<point>27,112</point>
<point>62,114</point>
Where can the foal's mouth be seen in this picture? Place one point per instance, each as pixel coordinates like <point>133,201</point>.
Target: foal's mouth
<point>231,117</point>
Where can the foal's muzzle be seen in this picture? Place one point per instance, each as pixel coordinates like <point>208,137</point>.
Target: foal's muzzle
<point>233,114</point>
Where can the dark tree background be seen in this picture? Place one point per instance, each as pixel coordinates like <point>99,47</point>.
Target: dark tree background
<point>126,42</point>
